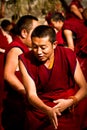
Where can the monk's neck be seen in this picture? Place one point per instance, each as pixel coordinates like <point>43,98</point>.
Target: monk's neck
<point>49,63</point>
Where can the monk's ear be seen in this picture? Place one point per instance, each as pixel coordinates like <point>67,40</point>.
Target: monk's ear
<point>55,44</point>
<point>24,33</point>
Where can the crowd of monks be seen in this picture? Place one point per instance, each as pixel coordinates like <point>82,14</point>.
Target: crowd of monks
<point>71,31</point>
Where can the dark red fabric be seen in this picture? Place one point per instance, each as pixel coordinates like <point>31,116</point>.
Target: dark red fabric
<point>80,42</point>
<point>52,84</point>
<point>59,38</point>
<point>77,27</point>
<point>17,43</point>
<point>3,44</point>
<point>3,40</point>
<point>13,115</point>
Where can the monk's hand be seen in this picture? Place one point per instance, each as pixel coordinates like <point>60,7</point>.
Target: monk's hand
<point>62,104</point>
<point>53,114</point>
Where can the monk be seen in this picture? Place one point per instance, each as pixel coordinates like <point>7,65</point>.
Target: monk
<point>13,115</point>
<point>49,73</point>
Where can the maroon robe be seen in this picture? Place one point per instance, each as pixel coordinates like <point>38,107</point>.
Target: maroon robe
<point>80,42</point>
<point>3,44</point>
<point>13,115</point>
<point>52,84</point>
<point>59,38</point>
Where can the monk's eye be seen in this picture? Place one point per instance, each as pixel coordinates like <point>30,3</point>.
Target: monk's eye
<point>43,47</point>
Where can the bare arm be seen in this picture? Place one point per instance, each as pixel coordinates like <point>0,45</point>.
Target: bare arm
<point>76,11</point>
<point>80,80</point>
<point>81,93</point>
<point>10,68</point>
<point>69,38</point>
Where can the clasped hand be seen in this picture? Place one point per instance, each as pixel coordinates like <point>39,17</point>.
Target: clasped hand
<point>61,105</point>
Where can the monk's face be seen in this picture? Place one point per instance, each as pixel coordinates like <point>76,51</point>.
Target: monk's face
<point>43,48</point>
<point>57,25</point>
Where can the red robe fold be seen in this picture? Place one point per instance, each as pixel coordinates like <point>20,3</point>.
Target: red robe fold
<point>52,84</point>
<point>3,45</point>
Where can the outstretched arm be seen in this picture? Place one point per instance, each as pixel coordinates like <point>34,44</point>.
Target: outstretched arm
<point>69,38</point>
<point>76,11</point>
